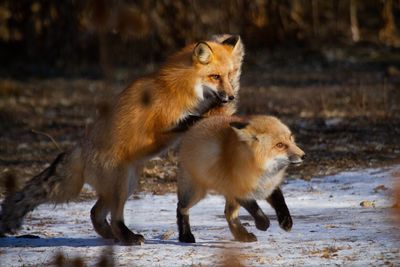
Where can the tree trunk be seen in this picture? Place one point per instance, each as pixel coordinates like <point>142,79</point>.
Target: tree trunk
<point>297,15</point>
<point>355,31</point>
<point>315,17</point>
<point>387,34</point>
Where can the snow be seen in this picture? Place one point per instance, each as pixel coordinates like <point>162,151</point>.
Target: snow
<point>330,228</point>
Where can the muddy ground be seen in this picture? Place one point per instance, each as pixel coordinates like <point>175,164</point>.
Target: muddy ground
<point>342,104</point>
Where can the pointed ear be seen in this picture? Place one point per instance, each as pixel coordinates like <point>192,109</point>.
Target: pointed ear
<point>231,40</point>
<point>240,129</point>
<point>202,53</point>
<point>238,125</point>
<point>236,42</point>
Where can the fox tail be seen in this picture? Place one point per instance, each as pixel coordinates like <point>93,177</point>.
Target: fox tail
<point>58,183</point>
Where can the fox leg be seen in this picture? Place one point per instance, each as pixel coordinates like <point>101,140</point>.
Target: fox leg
<point>277,201</point>
<point>238,230</point>
<point>186,201</point>
<point>261,220</point>
<point>188,196</point>
<point>98,215</point>
<point>212,100</point>
<point>186,123</point>
<point>115,200</point>
<point>118,227</point>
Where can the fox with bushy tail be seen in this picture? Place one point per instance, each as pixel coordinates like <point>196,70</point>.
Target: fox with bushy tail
<point>143,121</point>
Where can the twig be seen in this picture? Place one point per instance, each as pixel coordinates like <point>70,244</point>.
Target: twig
<point>49,136</point>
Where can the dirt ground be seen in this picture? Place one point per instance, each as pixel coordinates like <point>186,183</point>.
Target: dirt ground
<point>342,105</point>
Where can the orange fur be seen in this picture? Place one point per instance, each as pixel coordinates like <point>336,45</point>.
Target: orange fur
<point>240,159</point>
<point>138,125</point>
<point>228,160</point>
<point>137,129</point>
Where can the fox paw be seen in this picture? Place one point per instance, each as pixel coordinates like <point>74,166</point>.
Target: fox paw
<point>187,238</point>
<point>131,240</point>
<point>124,235</point>
<point>262,223</point>
<point>286,223</point>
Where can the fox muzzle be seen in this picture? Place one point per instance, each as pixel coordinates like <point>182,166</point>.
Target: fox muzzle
<point>296,159</point>
<point>224,97</point>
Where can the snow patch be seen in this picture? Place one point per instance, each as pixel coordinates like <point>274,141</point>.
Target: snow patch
<point>330,228</point>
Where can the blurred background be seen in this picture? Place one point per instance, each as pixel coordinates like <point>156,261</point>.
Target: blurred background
<point>328,68</point>
<point>90,37</point>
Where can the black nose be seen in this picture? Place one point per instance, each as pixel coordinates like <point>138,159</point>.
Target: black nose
<point>303,157</point>
<point>231,97</point>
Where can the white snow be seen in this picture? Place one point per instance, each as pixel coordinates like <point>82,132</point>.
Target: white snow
<point>330,228</point>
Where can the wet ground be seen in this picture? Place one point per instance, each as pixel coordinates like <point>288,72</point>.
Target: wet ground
<point>343,107</point>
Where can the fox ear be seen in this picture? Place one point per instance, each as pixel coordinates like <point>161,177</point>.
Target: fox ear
<point>238,125</point>
<point>231,40</point>
<point>240,129</point>
<point>202,53</point>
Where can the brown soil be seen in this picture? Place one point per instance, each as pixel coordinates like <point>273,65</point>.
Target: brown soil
<point>345,116</point>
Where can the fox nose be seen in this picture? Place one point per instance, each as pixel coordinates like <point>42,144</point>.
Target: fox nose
<point>231,97</point>
<point>303,157</point>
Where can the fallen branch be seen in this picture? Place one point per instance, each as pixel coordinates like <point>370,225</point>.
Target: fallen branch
<point>49,136</point>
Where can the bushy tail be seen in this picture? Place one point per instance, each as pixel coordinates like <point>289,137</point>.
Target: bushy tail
<point>60,182</point>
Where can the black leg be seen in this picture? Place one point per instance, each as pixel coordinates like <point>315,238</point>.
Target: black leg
<point>185,235</point>
<point>186,123</point>
<point>277,201</point>
<point>261,220</point>
<point>211,100</point>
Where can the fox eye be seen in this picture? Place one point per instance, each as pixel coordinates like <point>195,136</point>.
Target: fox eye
<point>215,77</point>
<point>281,146</point>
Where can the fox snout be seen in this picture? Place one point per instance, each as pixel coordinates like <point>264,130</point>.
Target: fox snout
<point>297,159</point>
<point>221,96</point>
<point>224,97</point>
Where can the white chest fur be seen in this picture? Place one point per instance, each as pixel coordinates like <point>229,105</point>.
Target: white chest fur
<point>266,185</point>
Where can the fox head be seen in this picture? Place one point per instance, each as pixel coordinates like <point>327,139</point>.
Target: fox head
<point>237,56</point>
<point>270,142</point>
<point>218,65</point>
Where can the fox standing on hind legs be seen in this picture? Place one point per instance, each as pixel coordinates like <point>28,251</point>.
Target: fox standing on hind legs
<point>144,120</point>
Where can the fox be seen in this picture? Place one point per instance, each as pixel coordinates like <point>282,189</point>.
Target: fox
<point>241,158</point>
<point>144,120</point>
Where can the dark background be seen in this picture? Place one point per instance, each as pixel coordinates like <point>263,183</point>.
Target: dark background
<point>91,37</point>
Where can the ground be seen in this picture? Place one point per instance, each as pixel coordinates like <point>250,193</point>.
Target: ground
<point>340,220</point>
